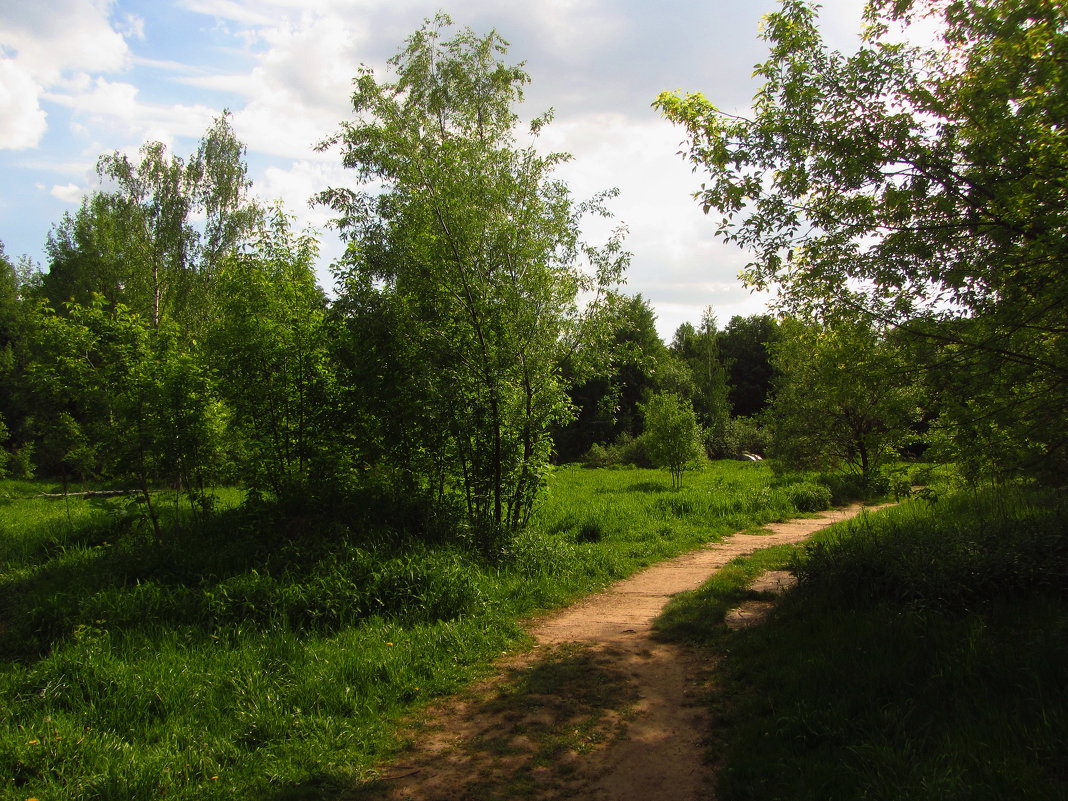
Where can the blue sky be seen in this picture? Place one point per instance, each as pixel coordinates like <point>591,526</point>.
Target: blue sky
<point>79,78</point>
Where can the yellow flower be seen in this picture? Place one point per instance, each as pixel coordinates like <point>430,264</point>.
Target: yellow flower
<point>33,742</point>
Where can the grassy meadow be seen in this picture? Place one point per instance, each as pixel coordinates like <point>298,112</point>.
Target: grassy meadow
<point>253,656</point>
<point>924,655</point>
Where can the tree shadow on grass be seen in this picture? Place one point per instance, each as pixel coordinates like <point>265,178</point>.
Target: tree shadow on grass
<point>133,581</point>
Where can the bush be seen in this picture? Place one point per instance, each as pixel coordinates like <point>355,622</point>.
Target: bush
<point>810,497</point>
<point>626,450</point>
<point>735,437</point>
<point>633,450</point>
<point>845,487</point>
<point>597,456</point>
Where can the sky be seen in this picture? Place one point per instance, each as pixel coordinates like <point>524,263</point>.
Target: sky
<point>80,78</point>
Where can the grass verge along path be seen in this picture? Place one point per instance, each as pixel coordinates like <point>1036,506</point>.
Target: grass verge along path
<point>923,656</point>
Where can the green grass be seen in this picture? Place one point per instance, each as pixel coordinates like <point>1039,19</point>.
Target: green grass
<point>256,658</point>
<point>924,655</point>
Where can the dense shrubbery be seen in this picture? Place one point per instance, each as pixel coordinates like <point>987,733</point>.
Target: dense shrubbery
<point>810,497</point>
<point>625,451</point>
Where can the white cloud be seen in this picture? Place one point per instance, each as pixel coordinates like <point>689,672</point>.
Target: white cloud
<point>117,107</point>
<point>132,26</point>
<point>297,184</point>
<point>678,262</point>
<point>22,120</point>
<point>51,38</point>
<point>98,96</point>
<point>45,42</point>
<point>298,87</point>
<point>68,193</point>
<point>573,29</point>
<point>229,10</point>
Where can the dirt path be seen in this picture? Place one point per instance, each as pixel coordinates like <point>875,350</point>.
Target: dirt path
<point>599,710</point>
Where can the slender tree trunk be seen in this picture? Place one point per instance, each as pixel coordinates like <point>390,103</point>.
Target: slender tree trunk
<point>495,417</point>
<point>142,476</point>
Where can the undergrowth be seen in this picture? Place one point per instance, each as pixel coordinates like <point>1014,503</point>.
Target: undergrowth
<point>924,655</point>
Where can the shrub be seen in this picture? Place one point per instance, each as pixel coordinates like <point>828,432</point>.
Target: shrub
<point>810,497</point>
<point>633,450</point>
<point>626,450</point>
<point>597,456</point>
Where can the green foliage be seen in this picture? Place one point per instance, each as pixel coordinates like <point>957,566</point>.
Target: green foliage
<point>472,256</point>
<point>738,436</point>
<point>16,290</point>
<point>810,496</point>
<point>698,349</point>
<point>626,450</point>
<point>844,398</point>
<point>121,398</point>
<point>744,347</point>
<point>612,372</point>
<point>672,436</point>
<point>271,348</point>
<point>921,188</point>
<point>141,245</point>
<point>4,434</point>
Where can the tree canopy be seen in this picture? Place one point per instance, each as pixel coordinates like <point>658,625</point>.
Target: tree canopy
<point>155,238</point>
<point>921,186</point>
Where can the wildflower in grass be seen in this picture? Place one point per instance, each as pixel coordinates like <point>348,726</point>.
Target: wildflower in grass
<point>33,742</point>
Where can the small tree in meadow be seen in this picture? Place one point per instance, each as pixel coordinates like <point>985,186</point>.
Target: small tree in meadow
<point>672,436</point>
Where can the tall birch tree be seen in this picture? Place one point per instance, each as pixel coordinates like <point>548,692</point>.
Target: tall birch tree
<point>474,252</point>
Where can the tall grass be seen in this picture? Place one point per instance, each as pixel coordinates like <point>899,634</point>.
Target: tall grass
<point>924,655</point>
<point>258,657</point>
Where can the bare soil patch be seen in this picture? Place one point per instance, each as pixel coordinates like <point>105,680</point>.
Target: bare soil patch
<point>599,709</point>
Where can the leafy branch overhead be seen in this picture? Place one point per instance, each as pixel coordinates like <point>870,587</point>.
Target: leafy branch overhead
<point>921,187</point>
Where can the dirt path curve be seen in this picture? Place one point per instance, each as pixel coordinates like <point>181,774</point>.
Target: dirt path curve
<point>599,710</point>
